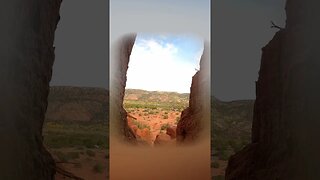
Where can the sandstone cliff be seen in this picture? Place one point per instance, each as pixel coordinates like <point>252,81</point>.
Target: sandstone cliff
<point>286,122</point>
<point>27,55</point>
<point>195,119</point>
<point>119,123</point>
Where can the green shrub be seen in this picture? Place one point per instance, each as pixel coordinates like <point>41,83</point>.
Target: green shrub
<point>165,126</point>
<point>77,135</point>
<point>140,125</point>
<point>224,155</point>
<point>78,165</point>
<point>236,145</point>
<point>73,155</point>
<point>88,143</point>
<point>215,164</point>
<point>61,156</point>
<point>90,153</point>
<point>98,168</point>
<point>220,177</point>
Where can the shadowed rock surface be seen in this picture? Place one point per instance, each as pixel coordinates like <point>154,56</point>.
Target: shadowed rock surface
<point>27,55</point>
<point>172,131</point>
<point>230,126</point>
<point>194,118</point>
<point>163,139</point>
<point>123,52</point>
<point>286,124</point>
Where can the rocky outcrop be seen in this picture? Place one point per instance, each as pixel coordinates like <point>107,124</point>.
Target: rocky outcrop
<point>163,139</point>
<point>27,55</point>
<point>172,131</point>
<point>119,77</point>
<point>195,119</point>
<point>286,119</point>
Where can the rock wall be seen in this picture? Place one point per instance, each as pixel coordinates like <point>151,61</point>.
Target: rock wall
<point>27,55</point>
<point>119,77</point>
<point>286,120</point>
<point>195,119</point>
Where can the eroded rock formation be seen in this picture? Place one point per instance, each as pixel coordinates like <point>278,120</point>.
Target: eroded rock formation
<point>193,119</point>
<point>286,122</point>
<point>163,139</point>
<point>196,117</point>
<point>172,131</point>
<point>118,112</point>
<point>27,55</point>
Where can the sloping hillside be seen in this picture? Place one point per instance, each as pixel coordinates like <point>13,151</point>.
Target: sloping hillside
<point>76,130</point>
<point>136,98</point>
<point>77,104</point>
<point>231,126</point>
<point>230,131</point>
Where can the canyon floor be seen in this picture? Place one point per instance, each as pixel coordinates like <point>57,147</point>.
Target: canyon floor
<point>153,116</point>
<point>76,129</point>
<point>78,148</point>
<point>148,124</point>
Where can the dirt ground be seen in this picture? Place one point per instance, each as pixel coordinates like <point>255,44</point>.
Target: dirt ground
<point>88,167</point>
<point>155,123</point>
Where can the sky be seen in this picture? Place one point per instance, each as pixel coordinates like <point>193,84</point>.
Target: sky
<point>164,62</point>
<point>81,41</point>
<point>155,16</point>
<point>240,28</point>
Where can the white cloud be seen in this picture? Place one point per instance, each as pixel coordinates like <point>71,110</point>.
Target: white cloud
<point>155,66</point>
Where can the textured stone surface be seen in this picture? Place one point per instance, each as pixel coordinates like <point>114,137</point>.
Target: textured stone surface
<point>119,115</point>
<point>27,56</point>
<point>163,139</point>
<point>195,119</point>
<point>172,131</point>
<point>286,120</point>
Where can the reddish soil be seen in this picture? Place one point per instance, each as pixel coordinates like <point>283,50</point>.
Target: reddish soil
<point>83,166</point>
<point>154,122</point>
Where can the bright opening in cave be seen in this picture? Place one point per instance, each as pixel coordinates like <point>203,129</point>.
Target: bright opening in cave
<point>159,77</point>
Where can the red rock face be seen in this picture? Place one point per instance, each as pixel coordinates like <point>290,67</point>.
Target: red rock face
<point>163,139</point>
<point>193,118</point>
<point>286,118</point>
<point>171,131</point>
<point>120,120</point>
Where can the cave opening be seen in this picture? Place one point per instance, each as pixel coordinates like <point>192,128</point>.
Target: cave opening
<point>160,70</point>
